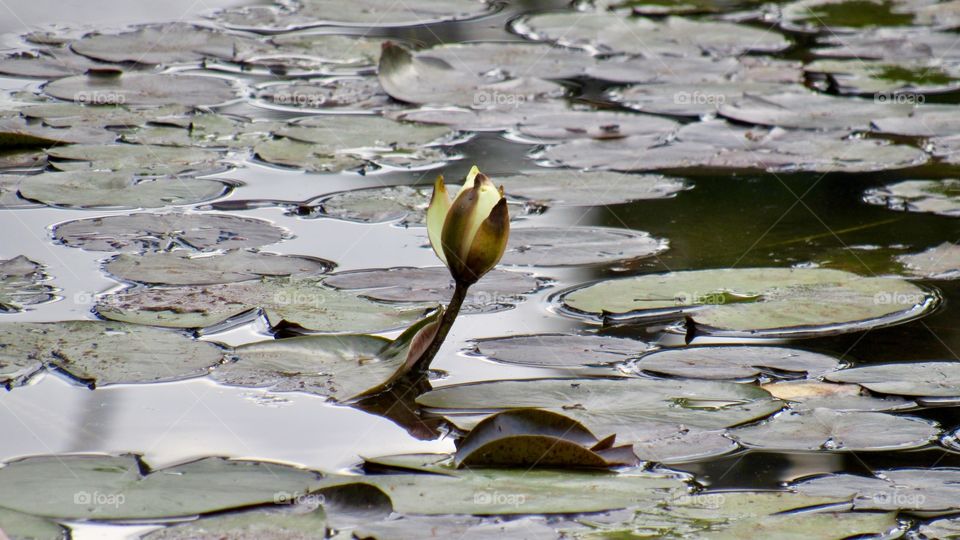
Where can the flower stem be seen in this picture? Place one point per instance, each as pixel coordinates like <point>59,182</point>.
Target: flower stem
<point>446,322</point>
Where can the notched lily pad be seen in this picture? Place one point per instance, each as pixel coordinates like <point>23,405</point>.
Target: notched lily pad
<point>561,350</point>
<point>572,246</point>
<point>756,301</point>
<point>940,197</point>
<point>162,232</point>
<point>189,268</point>
<point>931,379</point>
<point>737,362</point>
<point>22,284</point>
<point>121,189</point>
<point>143,89</point>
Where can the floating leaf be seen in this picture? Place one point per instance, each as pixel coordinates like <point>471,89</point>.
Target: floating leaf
<point>826,429</point>
<point>412,527</point>
<point>838,397</point>
<point>102,353</point>
<point>571,246</point>
<point>887,78</point>
<point>697,70</point>
<point>824,525</point>
<point>940,197</point>
<point>889,43</point>
<point>9,193</point>
<point>408,204</point>
<point>22,159</point>
<point>158,44</point>
<point>270,524</point>
<point>160,232</point>
<point>433,284</point>
<point>142,159</point>
<point>113,488</point>
<point>188,268</point>
<point>684,99</point>
<point>21,284</point>
<point>308,53</point>
<point>809,110</point>
<point>143,89</point>
<point>561,350</point>
<point>673,444</point>
<point>202,130</point>
<point>340,94</point>
<point>613,406</point>
<point>934,379</point>
<point>63,115</point>
<point>578,188</point>
<point>940,262</point>
<point>15,132</point>
<point>737,362</point>
<point>45,64</point>
<point>923,121</point>
<point>19,526</point>
<point>122,189</point>
<point>299,300</point>
<point>933,489</point>
<point>342,367</point>
<point>840,16</point>
<point>757,301</point>
<point>579,124</point>
<point>514,59</point>
<point>940,528</point>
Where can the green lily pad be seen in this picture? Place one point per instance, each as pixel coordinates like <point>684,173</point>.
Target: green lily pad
<point>340,94</point>
<point>609,32</point>
<point>161,232</point>
<point>310,53</point>
<point>940,528</point>
<point>514,59</point>
<point>889,43</point>
<point>825,525</point>
<point>923,121</point>
<point>940,197</point>
<point>142,159</point>
<point>22,284</point>
<point>62,115</point>
<point>737,362</point>
<point>188,268</point>
<point>886,77</point>
<point>270,524</point>
<point>757,301</point>
<point>19,526</point>
<point>10,193</point>
<point>672,444</point>
<point>48,63</point>
<point>808,110</point>
<point>102,353</point>
<point>405,204</point>
<point>310,13</point>
<point>614,406</point>
<point>548,127</point>
<point>697,70</point>
<point>412,527</point>
<point>572,246</point>
<point>833,431</point>
<point>564,188</point>
<point>342,367</point>
<point>205,130</point>
<point>22,159</point>
<point>684,99</point>
<point>103,189</point>
<point>300,300</point>
<point>143,89</point>
<point>933,489</point>
<point>840,16</point>
<point>433,284</point>
<point>432,80</point>
<point>940,262</point>
<point>309,157</point>
<point>561,350</point>
<point>158,44</point>
<point>110,488</point>
<point>812,394</point>
<point>16,132</point>
<point>933,379</point>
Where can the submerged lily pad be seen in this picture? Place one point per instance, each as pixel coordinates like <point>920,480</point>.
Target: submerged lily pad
<point>189,268</point>
<point>826,429</point>
<point>160,232</point>
<point>158,44</point>
<point>269,524</point>
<point>142,159</point>
<point>934,379</point>
<point>111,488</point>
<point>940,262</point>
<point>143,89</point>
<point>561,350</point>
<point>298,300</point>
<point>571,246</point>
<point>101,353</point>
<point>614,406</point>
<point>96,189</point>
<point>940,197</point>
<point>757,301</point>
<point>737,362</point>
<point>609,32</point>
<point>934,489</point>
<point>840,16</point>
<point>21,284</point>
<point>433,284</point>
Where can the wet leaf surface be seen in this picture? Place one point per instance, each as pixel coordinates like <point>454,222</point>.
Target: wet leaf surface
<point>810,394</point>
<point>204,131</point>
<point>685,99</point>
<point>188,268</point>
<point>808,110</point>
<point>514,59</point>
<point>15,132</point>
<point>941,379</point>
<point>143,89</point>
<point>933,489</point>
<point>571,246</point>
<point>697,70</point>
<point>939,262</point>
<point>17,525</point>
<point>159,44</point>
<point>561,350</point>
<point>334,94</point>
<point>433,284</point>
<point>860,77</point>
<point>22,284</point>
<point>45,64</point>
<point>935,196</point>
<point>265,524</point>
<point>740,362</point>
<point>143,159</point>
<point>95,189</point>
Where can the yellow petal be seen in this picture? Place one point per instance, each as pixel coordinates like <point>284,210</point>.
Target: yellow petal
<point>436,215</point>
<point>456,233</point>
<point>469,181</point>
<point>490,242</point>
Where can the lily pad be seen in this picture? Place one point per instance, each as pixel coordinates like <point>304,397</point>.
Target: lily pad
<point>572,246</point>
<point>270,524</point>
<point>45,64</point>
<point>841,16</point>
<point>674,36</point>
<point>101,353</point>
<point>142,159</point>
<point>339,94</point>
<point>22,284</point>
<point>824,525</point>
<point>563,188</point>
<point>737,362</point>
<point>514,59</point>
<point>188,268</point>
<point>432,80</point>
<point>16,132</point>
<point>933,379</point>
<point>684,99</point>
<point>614,406</point>
<point>561,350</point>
<point>342,367</point>
<point>96,189</point>
<point>412,527</point>
<point>889,43</point>
<point>757,301</point>
<point>940,528</point>
<point>143,89</point>
<point>309,53</point>
<point>206,130</point>
<point>22,159</point>
<point>10,193</point>
<point>158,44</point>
<point>940,197</point>
<point>826,429</point>
<point>940,262</point>
<point>672,444</point>
<point>579,124</point>
<point>697,70</point>
<point>405,204</point>
<point>299,300</point>
<point>536,438</point>
<point>933,489</point>
<point>110,488</point>
<point>63,115</point>
<point>808,110</point>
<point>888,78</point>
<point>811,394</point>
<point>161,232</point>
<point>19,526</point>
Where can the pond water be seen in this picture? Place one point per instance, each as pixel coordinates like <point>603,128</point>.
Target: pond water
<point>795,215</point>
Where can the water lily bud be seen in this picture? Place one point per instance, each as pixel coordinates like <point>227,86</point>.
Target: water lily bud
<point>470,233</point>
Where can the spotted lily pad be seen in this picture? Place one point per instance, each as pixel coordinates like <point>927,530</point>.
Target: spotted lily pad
<point>159,232</point>
<point>934,379</point>
<point>96,189</point>
<point>614,406</point>
<point>433,284</point>
<point>757,301</point>
<point>298,300</point>
<point>21,284</point>
<point>110,488</point>
<point>188,268</point>
<point>142,159</point>
<point>935,196</point>
<point>571,246</point>
<point>143,89</point>
<point>826,429</point>
<point>736,362</point>
<point>515,59</point>
<point>610,32</point>
<point>279,523</point>
<point>561,350</point>
<point>101,353</point>
<point>934,489</point>
<point>940,262</point>
<point>341,367</point>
